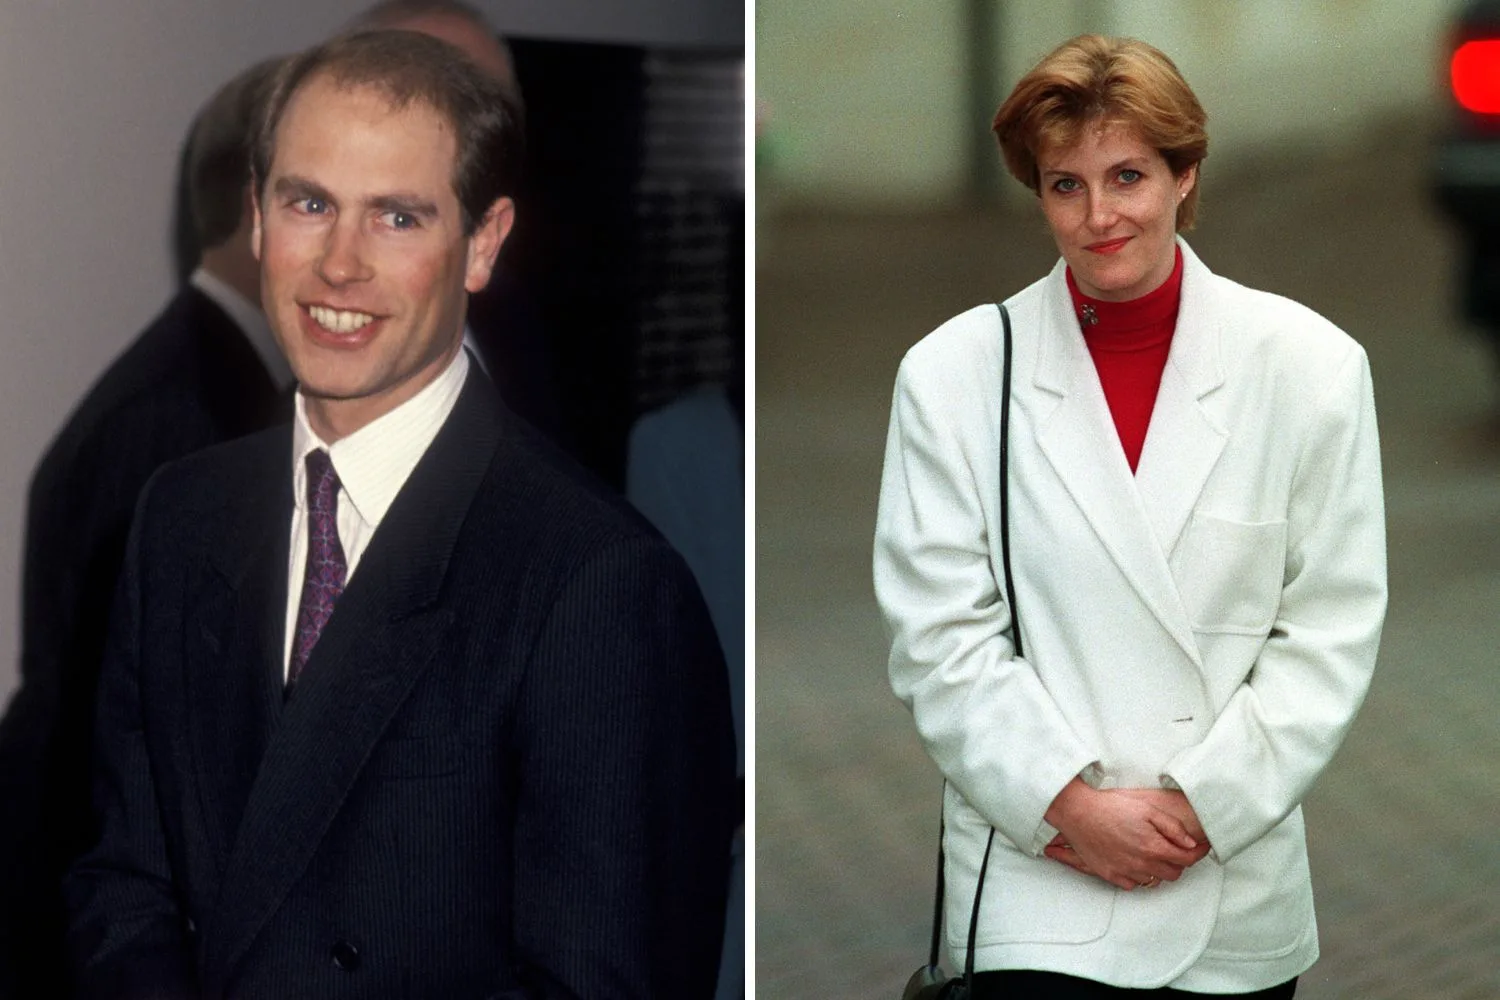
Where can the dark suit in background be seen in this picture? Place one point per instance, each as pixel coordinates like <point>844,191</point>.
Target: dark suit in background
<point>189,381</point>
<point>505,771</point>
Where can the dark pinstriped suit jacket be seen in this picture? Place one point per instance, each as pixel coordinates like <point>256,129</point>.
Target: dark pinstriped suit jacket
<point>190,380</point>
<point>504,772</point>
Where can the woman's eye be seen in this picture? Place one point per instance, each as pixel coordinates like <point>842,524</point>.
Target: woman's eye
<point>1129,176</point>
<point>1065,185</point>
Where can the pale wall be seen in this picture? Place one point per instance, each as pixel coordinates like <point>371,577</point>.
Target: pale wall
<point>95,96</point>
<point>867,97</point>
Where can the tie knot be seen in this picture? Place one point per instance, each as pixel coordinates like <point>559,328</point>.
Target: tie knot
<point>322,481</point>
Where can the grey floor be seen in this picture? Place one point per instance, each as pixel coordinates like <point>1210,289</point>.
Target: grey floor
<point>1403,826</point>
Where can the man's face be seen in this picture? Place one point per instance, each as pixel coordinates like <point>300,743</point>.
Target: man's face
<point>364,264</point>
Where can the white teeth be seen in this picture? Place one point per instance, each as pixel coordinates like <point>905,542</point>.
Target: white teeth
<point>339,320</point>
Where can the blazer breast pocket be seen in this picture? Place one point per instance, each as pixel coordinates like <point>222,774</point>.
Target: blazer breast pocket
<point>1230,573</point>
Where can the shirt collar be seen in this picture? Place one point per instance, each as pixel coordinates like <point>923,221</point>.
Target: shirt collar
<point>251,321</point>
<point>375,461</point>
<point>473,347</point>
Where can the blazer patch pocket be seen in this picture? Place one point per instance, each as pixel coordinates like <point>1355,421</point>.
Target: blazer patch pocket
<point>1230,574</point>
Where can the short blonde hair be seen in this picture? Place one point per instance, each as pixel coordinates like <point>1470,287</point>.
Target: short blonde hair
<point>1093,78</point>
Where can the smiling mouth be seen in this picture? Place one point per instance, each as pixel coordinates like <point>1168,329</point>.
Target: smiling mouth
<point>1108,246</point>
<point>339,320</point>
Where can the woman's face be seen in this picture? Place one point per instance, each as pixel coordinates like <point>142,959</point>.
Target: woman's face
<point>1111,201</point>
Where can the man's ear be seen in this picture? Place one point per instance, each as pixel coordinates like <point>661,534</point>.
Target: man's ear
<point>484,245</point>
<point>252,199</point>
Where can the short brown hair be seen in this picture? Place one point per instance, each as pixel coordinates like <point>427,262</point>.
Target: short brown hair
<point>1092,78</point>
<point>216,170</point>
<point>408,66</point>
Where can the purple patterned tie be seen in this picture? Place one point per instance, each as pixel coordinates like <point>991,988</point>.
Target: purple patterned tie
<point>325,560</point>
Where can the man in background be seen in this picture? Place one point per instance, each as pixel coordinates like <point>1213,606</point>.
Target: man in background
<point>205,370</point>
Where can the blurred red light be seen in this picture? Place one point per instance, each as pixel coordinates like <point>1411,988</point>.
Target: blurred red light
<point>1475,73</point>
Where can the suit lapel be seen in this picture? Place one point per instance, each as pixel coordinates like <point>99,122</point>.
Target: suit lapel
<point>1080,442</point>
<point>372,651</point>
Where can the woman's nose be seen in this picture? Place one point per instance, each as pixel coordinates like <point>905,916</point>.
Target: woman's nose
<point>1102,209</point>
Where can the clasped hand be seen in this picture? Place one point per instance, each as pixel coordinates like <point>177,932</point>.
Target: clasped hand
<point>1129,837</point>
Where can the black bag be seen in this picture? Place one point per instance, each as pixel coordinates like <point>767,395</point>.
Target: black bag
<point>930,982</point>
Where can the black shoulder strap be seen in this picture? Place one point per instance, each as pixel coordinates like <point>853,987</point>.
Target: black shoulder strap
<point>1010,585</point>
<point>1015,628</point>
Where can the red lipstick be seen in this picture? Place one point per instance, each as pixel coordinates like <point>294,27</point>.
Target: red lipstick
<point>1108,246</point>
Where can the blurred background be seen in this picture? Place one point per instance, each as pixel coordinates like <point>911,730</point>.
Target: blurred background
<point>1335,144</point>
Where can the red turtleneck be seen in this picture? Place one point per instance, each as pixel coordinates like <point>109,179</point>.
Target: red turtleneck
<point>1129,342</point>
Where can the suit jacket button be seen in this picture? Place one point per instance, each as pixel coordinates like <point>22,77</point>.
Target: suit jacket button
<point>345,956</point>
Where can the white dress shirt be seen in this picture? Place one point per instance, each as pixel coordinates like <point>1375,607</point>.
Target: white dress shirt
<point>251,321</point>
<point>372,464</point>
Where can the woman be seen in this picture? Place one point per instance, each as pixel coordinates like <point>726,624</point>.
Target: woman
<point>1197,539</point>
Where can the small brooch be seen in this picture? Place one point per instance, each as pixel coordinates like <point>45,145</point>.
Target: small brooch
<point>1088,316</point>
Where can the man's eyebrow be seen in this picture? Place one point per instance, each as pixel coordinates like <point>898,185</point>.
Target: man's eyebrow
<point>301,187</point>
<point>408,203</point>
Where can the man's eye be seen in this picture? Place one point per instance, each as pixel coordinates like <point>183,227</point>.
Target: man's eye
<point>400,220</point>
<point>311,206</point>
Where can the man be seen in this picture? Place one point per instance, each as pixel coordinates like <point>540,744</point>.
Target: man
<point>204,371</point>
<point>395,706</point>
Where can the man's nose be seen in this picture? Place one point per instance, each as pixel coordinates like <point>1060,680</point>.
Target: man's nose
<point>344,259</point>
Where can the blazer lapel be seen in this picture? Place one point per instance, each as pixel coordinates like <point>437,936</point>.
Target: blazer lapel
<point>372,651</point>
<point>1079,440</point>
<point>1184,440</point>
<point>232,657</point>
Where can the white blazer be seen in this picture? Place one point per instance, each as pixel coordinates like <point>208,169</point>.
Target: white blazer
<point>1209,623</point>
